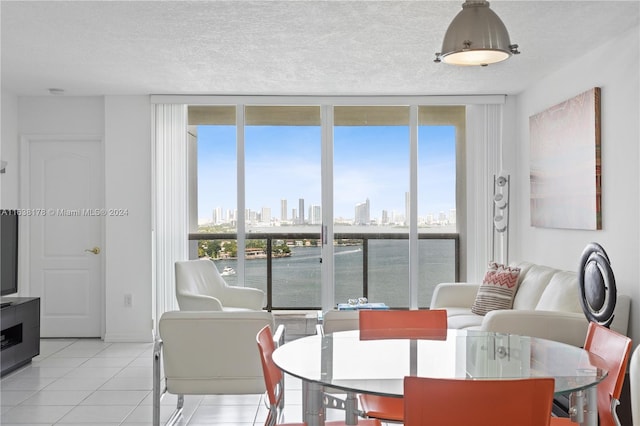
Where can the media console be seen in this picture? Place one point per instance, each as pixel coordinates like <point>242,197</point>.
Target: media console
<point>20,335</point>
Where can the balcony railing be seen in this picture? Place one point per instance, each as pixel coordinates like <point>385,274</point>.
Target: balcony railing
<point>371,265</point>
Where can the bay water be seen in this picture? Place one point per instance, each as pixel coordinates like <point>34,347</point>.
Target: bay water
<point>297,278</point>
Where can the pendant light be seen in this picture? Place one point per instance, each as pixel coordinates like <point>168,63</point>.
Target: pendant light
<point>476,36</point>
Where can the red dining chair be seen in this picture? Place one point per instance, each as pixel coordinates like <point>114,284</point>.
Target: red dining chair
<point>460,402</point>
<point>275,385</point>
<point>412,324</point>
<point>614,348</point>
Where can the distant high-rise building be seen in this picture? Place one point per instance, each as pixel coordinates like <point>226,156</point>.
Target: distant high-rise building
<point>250,216</point>
<point>301,211</point>
<point>362,214</point>
<point>294,215</point>
<point>385,217</point>
<point>265,215</point>
<point>283,210</point>
<point>217,215</point>
<point>442,217</point>
<point>452,216</point>
<point>315,215</point>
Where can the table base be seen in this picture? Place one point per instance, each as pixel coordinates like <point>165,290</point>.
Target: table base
<point>315,402</point>
<point>583,407</point>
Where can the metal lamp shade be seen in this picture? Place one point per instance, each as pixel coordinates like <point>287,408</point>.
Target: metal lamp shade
<point>476,36</point>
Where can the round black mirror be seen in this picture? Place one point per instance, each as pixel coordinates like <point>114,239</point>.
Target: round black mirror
<point>597,285</point>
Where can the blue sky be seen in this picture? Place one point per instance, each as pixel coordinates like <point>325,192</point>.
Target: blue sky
<point>283,162</point>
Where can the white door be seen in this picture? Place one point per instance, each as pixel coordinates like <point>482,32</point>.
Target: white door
<point>66,200</point>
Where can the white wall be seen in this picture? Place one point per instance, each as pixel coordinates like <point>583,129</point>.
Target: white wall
<point>61,115</point>
<point>615,69</point>
<point>128,239</point>
<point>9,151</point>
<point>125,125</point>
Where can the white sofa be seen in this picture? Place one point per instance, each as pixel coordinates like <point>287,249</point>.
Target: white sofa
<point>546,305</point>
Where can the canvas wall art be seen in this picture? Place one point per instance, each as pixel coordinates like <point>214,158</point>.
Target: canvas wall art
<point>564,168</point>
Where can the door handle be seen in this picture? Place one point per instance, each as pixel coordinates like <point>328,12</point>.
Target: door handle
<point>95,250</point>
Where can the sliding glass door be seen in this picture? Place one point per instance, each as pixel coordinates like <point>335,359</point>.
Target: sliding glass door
<point>371,187</point>
<point>282,149</point>
<point>312,203</point>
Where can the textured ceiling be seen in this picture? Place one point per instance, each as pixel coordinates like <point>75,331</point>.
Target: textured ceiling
<point>284,47</point>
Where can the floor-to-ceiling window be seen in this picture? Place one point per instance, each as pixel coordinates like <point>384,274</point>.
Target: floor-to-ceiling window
<point>282,149</point>
<point>371,186</point>
<point>441,140</point>
<point>263,172</point>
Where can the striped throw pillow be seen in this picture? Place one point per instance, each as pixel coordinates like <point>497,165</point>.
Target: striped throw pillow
<point>497,290</point>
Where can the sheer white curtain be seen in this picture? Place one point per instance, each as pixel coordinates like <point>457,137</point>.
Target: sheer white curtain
<point>170,227</point>
<point>484,160</point>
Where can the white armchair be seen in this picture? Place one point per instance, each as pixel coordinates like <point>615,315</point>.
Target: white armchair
<point>207,353</point>
<point>200,287</point>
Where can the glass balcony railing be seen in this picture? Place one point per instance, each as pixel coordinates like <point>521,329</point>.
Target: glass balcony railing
<point>287,266</point>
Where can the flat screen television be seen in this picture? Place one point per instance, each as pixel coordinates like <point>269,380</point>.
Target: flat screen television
<point>8,252</point>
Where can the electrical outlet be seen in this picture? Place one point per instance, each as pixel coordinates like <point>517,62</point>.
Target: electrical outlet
<point>128,300</point>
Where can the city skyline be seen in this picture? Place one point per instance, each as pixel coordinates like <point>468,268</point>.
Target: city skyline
<point>362,216</point>
<point>284,163</point>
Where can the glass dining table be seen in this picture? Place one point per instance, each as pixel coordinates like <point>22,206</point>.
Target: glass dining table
<point>346,364</point>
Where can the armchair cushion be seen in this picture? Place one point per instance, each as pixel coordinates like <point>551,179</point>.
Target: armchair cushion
<point>497,290</point>
<point>198,302</point>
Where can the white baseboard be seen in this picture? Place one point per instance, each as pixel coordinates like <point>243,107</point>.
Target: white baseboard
<point>128,338</point>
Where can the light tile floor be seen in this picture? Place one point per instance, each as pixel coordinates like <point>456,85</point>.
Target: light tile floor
<point>90,382</point>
